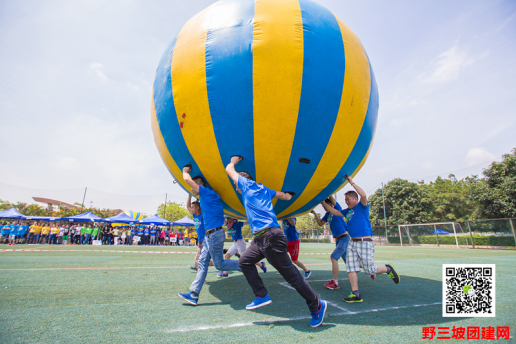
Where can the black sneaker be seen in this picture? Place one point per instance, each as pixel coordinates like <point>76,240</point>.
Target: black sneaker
<point>352,298</point>
<point>393,274</point>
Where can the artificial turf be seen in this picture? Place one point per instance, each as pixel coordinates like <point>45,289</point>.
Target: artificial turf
<point>81,294</point>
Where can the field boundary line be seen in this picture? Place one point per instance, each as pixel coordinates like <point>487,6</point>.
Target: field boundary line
<point>272,321</point>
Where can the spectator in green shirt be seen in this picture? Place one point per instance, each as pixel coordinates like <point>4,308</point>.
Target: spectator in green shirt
<point>89,230</point>
<point>83,234</point>
<point>95,233</point>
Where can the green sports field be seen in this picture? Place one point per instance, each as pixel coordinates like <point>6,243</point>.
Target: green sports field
<point>67,294</point>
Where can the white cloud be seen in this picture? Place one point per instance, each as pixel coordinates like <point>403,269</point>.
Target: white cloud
<point>97,68</point>
<point>448,65</point>
<point>479,155</point>
<point>428,165</point>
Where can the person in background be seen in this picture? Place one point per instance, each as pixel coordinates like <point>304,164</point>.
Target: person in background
<point>66,230</point>
<point>289,228</point>
<point>146,235</point>
<point>32,233</point>
<point>20,232</point>
<point>39,229</point>
<point>13,228</point>
<point>130,233</point>
<point>44,233</point>
<point>5,232</point>
<point>153,231</point>
<point>123,236</point>
<point>116,235</point>
<point>83,234</point>
<point>162,234</point>
<point>54,230</point>
<point>95,233</point>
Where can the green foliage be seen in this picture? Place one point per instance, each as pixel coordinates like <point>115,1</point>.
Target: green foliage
<point>496,194</point>
<point>405,203</point>
<point>173,211</point>
<point>451,198</point>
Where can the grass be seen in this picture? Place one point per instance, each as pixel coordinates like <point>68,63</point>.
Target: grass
<point>86,295</point>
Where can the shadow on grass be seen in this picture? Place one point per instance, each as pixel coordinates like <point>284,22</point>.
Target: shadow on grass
<point>415,301</point>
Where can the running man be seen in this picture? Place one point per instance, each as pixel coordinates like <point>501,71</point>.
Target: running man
<point>289,228</point>
<point>361,247</point>
<point>239,246</point>
<point>269,242</point>
<point>213,219</point>
<point>339,230</point>
<point>195,209</point>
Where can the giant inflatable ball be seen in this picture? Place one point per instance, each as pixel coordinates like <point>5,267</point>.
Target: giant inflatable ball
<point>283,83</point>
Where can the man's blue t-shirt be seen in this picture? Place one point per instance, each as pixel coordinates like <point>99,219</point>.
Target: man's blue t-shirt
<point>358,222</point>
<point>236,231</point>
<point>153,231</point>
<point>290,231</point>
<point>20,230</point>
<point>13,230</point>
<point>146,232</point>
<point>258,204</point>
<point>6,229</point>
<point>133,232</point>
<point>199,227</point>
<point>212,210</point>
<point>140,232</point>
<point>337,224</point>
<point>25,229</point>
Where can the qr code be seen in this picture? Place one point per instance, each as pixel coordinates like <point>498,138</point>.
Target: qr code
<point>468,290</point>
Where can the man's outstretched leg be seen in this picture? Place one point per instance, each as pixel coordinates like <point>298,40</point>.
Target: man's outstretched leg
<point>247,263</point>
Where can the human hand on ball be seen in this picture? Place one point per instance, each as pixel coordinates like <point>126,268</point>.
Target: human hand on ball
<point>235,159</point>
<point>187,169</point>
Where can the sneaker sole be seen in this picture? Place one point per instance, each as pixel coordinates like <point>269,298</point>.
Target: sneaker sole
<point>332,288</point>
<point>189,301</point>
<point>353,301</point>
<point>307,277</point>
<point>394,270</point>
<point>260,305</point>
<point>323,315</point>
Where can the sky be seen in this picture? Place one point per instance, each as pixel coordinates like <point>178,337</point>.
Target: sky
<point>76,80</point>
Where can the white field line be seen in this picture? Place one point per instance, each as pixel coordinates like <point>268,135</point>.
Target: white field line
<point>115,251</point>
<point>272,321</point>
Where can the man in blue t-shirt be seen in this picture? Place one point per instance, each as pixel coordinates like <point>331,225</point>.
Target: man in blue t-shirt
<point>13,228</point>
<point>339,231</point>
<point>153,232</point>
<point>146,234</point>
<point>195,209</point>
<point>270,242</point>
<point>289,227</point>
<point>213,246</point>
<point>20,232</point>
<point>361,247</point>
<point>235,231</point>
<point>5,232</point>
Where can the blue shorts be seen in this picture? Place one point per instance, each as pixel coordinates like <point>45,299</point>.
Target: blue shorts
<point>5,236</point>
<point>341,246</point>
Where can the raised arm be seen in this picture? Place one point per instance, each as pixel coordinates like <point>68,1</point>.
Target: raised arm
<point>360,192</point>
<point>292,222</point>
<point>188,179</point>
<point>230,169</point>
<point>331,210</point>
<point>283,196</point>
<point>319,221</point>
<point>333,201</point>
<point>188,204</point>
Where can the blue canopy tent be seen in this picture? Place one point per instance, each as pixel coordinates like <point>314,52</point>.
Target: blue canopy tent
<point>154,220</point>
<point>185,221</point>
<point>86,217</point>
<point>11,214</point>
<point>42,218</point>
<point>120,218</point>
<point>441,232</point>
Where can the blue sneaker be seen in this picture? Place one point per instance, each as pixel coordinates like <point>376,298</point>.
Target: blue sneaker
<point>221,274</point>
<point>308,274</point>
<point>259,302</point>
<point>318,317</point>
<point>190,297</point>
<point>263,267</point>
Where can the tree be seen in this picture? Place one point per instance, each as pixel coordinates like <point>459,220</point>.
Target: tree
<point>173,211</point>
<point>496,193</point>
<point>452,198</point>
<point>405,203</point>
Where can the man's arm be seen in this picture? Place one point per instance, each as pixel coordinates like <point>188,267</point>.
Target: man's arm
<point>283,196</point>
<point>188,179</point>
<point>333,201</point>
<point>360,192</point>
<point>331,210</point>
<point>319,221</point>
<point>230,169</point>
<point>188,204</point>
<point>292,222</point>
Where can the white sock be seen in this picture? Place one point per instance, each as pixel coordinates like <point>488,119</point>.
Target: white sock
<point>336,282</point>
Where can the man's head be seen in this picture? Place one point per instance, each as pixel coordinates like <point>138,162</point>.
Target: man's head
<point>246,175</point>
<point>328,201</point>
<point>196,207</point>
<point>351,199</point>
<point>199,181</point>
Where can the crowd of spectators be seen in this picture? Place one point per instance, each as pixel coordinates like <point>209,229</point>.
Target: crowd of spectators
<point>56,233</point>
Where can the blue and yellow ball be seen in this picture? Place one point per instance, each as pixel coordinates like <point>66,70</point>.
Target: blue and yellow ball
<point>284,83</point>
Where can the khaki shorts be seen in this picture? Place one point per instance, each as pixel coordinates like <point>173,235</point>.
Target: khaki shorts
<point>199,250</point>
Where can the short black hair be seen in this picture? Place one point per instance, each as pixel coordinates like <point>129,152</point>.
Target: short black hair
<point>246,175</point>
<point>203,182</point>
<point>197,203</point>
<point>352,193</point>
<point>328,201</point>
